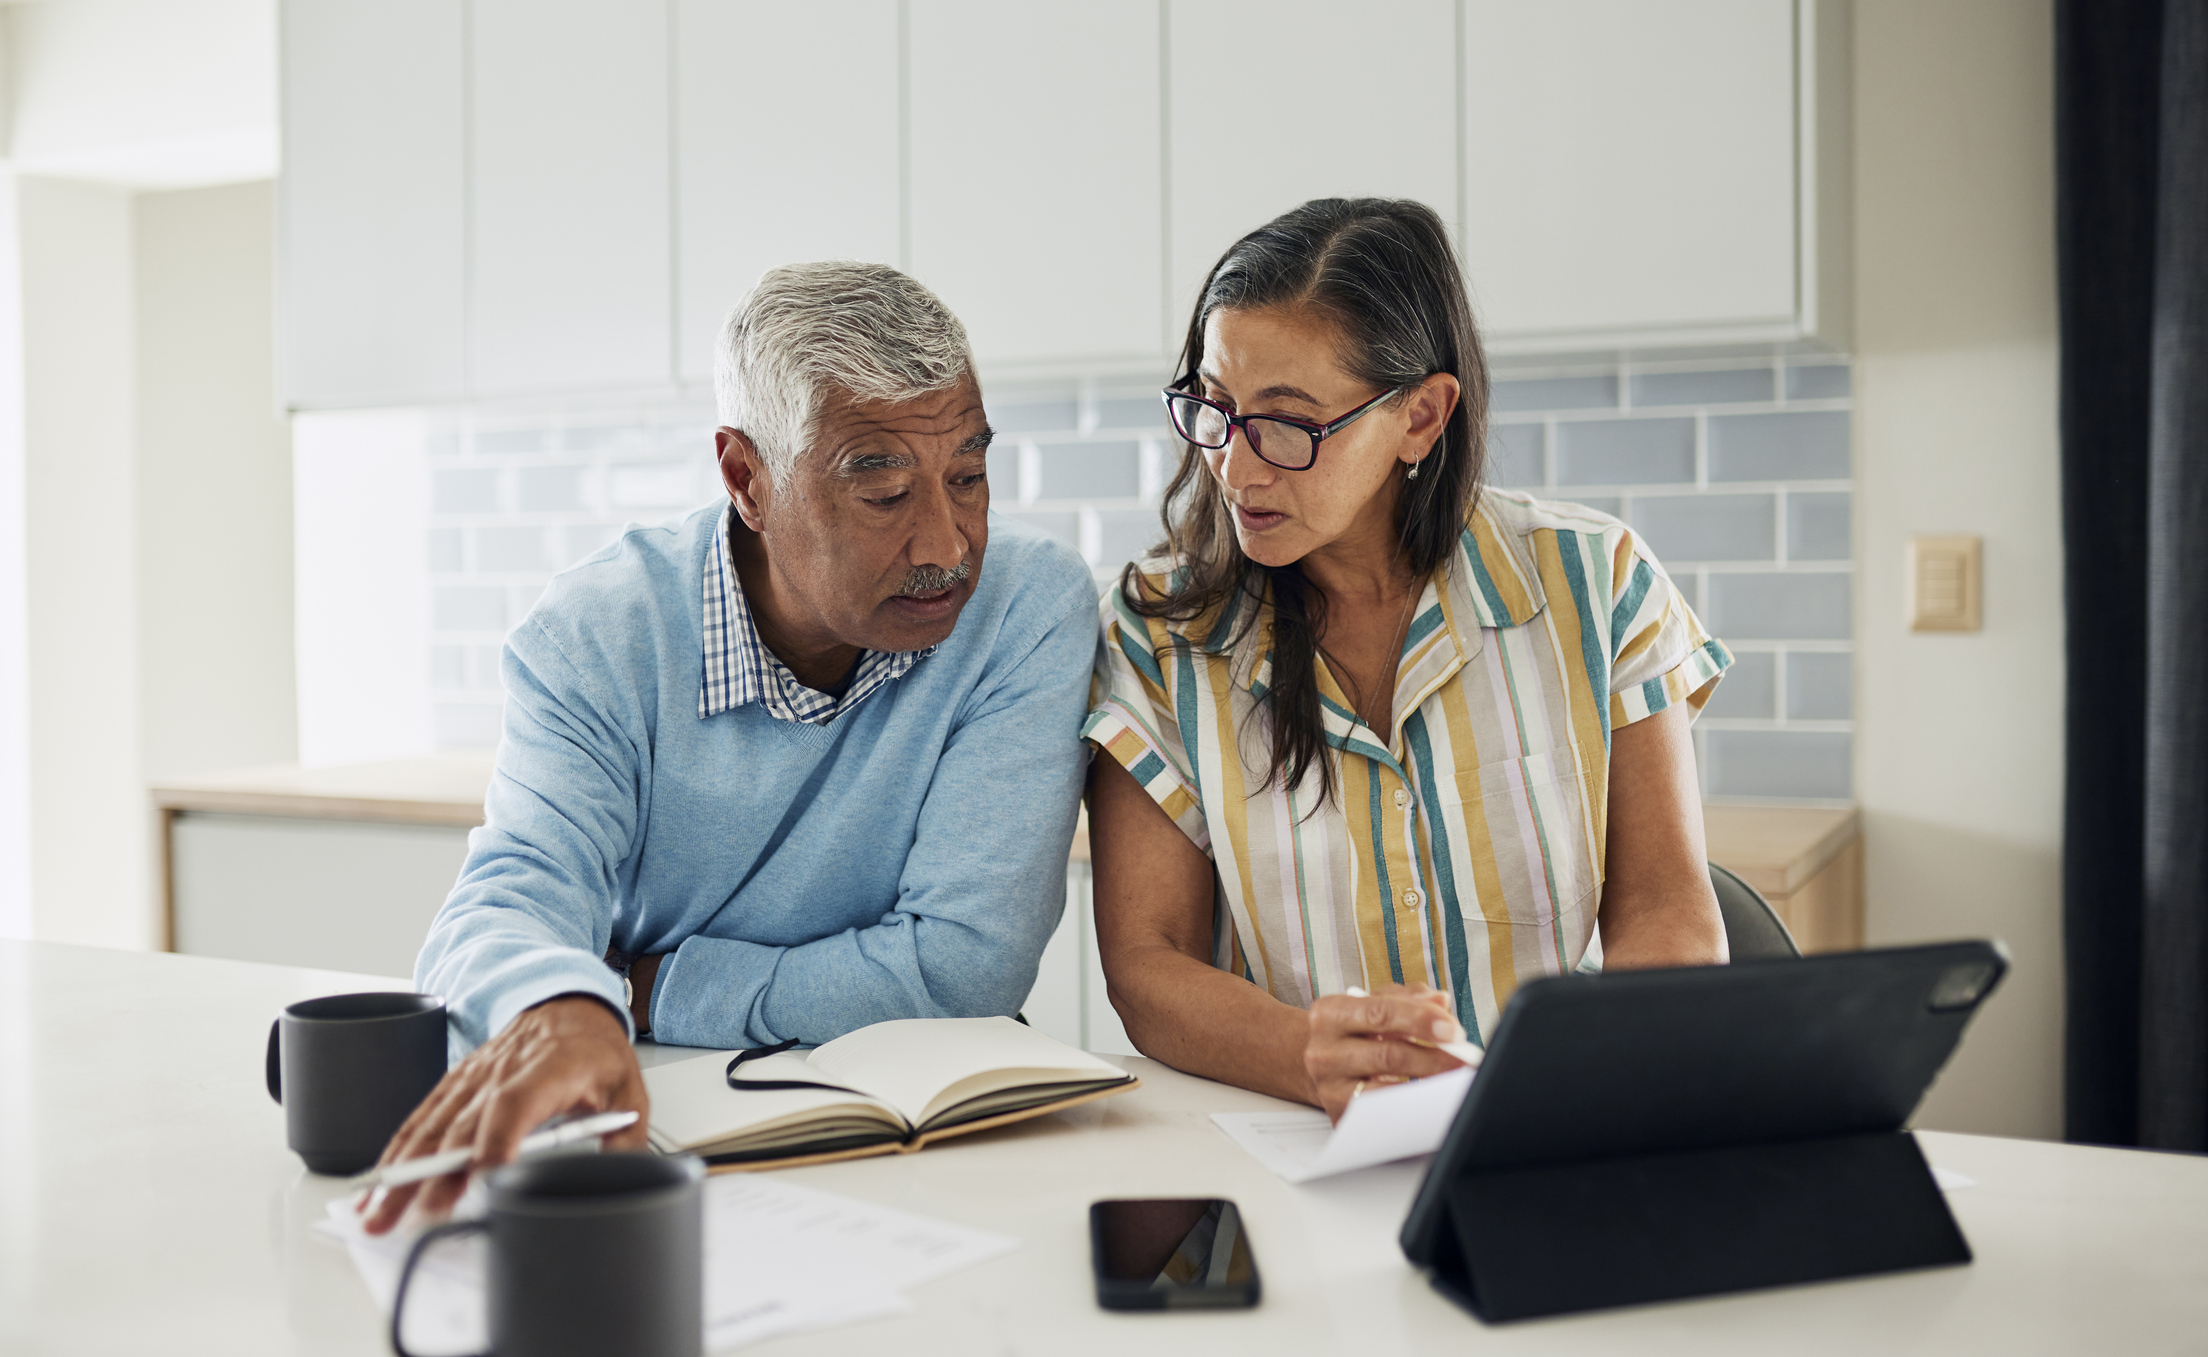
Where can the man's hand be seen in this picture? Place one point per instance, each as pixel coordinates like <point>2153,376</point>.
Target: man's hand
<point>569,1054</point>
<point>1376,1039</point>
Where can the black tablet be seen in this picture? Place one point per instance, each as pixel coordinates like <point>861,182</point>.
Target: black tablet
<point>1638,1067</point>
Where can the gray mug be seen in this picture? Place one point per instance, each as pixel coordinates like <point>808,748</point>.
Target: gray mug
<point>589,1254</point>
<point>349,1069</point>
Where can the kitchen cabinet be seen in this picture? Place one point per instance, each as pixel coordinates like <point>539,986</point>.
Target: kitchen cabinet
<point>372,202</point>
<point>1035,171</point>
<point>1277,104</point>
<point>822,184</point>
<point>522,196</point>
<point>570,280</point>
<point>1630,171</point>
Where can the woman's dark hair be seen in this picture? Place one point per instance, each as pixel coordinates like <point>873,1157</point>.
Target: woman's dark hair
<point>1381,271</point>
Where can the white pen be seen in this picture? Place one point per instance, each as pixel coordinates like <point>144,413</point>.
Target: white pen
<point>1459,1050</point>
<point>452,1161</point>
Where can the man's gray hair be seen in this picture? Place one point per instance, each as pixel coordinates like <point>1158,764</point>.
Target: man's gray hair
<point>838,325</point>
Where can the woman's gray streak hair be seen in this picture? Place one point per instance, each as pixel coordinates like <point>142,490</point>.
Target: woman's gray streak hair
<point>805,330</point>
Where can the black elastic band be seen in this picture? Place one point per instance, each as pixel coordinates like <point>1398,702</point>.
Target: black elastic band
<point>767,1084</point>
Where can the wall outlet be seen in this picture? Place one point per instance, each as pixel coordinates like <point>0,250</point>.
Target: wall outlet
<point>1944,583</point>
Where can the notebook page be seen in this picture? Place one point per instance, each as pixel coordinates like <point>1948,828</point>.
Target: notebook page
<point>692,1103</point>
<point>911,1062</point>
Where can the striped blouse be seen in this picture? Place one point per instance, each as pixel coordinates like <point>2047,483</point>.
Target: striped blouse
<point>1464,851</point>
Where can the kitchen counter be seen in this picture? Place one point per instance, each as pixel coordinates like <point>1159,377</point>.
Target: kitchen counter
<point>1806,861</point>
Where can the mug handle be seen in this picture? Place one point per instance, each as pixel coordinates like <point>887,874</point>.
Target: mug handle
<point>275,1064</point>
<point>450,1229</point>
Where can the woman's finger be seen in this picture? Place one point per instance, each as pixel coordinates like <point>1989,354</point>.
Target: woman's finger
<point>1389,1015</point>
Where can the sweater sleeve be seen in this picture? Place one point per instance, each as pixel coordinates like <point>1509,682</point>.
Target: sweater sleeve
<point>533,911</point>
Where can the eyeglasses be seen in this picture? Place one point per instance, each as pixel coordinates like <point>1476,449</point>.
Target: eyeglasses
<point>1290,444</point>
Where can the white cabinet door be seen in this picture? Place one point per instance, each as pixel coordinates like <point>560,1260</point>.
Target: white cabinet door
<point>1629,169</point>
<point>785,148</point>
<point>570,280</point>
<point>372,202</point>
<point>1280,103</point>
<point>1035,176</point>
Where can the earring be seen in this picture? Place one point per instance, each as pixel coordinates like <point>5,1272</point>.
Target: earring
<point>1414,472</point>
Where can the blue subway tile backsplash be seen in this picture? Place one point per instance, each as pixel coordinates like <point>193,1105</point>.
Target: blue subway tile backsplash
<point>1654,451</point>
<point>1805,445</point>
<point>467,607</point>
<point>1750,689</point>
<point>1817,526</point>
<point>1793,606</point>
<point>510,550</point>
<point>1818,381</point>
<point>1739,490</point>
<point>1140,412</point>
<point>1728,387</point>
<point>1037,416</point>
<point>1516,455</point>
<point>540,489</point>
<point>1680,528</point>
<point>1092,471</point>
<point>473,490</point>
<point>1768,763</point>
<point>1820,686</point>
<point>1554,393</point>
<point>444,551</point>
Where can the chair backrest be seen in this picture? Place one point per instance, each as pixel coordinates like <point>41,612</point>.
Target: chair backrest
<point>1753,930</point>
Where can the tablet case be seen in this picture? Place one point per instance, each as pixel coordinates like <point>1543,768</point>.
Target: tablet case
<point>1652,1135</point>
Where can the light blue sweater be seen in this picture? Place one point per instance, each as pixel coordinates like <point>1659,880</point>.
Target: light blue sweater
<point>905,860</point>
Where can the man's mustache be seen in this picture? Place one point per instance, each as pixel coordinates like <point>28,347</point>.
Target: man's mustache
<point>934,579</point>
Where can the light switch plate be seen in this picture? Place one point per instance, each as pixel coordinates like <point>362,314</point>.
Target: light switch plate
<point>1944,583</point>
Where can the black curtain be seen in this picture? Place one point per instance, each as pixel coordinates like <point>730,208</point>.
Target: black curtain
<point>2131,132</point>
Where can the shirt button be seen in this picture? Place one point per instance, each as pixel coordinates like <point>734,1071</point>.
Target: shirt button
<point>1402,798</point>
<point>1411,898</point>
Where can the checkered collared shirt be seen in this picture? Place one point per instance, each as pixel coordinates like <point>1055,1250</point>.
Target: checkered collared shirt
<point>739,668</point>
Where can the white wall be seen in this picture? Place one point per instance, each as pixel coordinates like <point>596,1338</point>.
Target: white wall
<point>214,486</point>
<point>143,93</point>
<point>144,581</point>
<point>87,823</point>
<point>360,515</point>
<point>1959,751</point>
<point>15,678</point>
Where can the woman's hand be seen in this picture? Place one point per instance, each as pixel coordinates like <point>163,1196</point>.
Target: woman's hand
<point>1363,1040</point>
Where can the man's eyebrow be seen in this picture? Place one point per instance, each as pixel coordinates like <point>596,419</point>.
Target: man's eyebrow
<point>876,461</point>
<point>978,443</point>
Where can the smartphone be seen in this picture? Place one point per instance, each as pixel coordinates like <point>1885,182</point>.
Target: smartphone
<point>1178,1253</point>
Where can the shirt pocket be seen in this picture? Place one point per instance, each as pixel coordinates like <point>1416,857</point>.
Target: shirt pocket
<point>1533,811</point>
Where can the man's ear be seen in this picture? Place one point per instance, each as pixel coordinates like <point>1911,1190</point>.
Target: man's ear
<point>744,472</point>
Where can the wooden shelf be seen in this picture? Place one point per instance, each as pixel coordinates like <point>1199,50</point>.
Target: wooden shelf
<point>440,789</point>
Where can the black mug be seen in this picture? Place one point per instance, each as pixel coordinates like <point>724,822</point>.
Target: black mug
<point>349,1068</point>
<point>589,1254</point>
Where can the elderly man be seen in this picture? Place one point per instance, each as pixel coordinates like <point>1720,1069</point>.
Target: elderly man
<point>783,768</point>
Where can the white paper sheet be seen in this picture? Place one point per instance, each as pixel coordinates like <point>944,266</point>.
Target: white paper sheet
<point>779,1258</point>
<point>1380,1125</point>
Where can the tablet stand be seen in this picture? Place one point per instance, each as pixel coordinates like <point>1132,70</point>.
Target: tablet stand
<point>1555,1238</point>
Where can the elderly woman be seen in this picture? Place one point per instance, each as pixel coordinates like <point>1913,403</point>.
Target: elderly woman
<point>1381,745</point>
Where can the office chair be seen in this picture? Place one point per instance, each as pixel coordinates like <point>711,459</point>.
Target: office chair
<point>1753,930</point>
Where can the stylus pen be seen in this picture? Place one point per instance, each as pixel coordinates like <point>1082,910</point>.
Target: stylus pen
<point>452,1161</point>
<point>1456,1050</point>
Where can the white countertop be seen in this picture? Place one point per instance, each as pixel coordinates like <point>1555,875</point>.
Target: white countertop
<point>148,1206</point>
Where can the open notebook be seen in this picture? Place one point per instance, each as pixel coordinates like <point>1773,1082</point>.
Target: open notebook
<point>894,1086</point>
